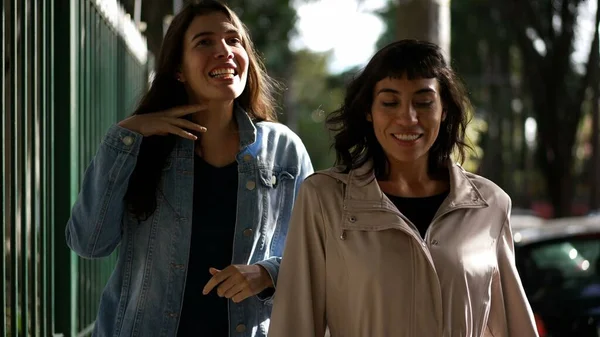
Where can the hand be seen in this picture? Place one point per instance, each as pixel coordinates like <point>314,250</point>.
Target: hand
<point>238,282</point>
<point>165,122</point>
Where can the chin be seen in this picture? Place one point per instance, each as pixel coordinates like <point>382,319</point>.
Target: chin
<point>224,95</point>
<point>407,157</point>
<point>231,91</point>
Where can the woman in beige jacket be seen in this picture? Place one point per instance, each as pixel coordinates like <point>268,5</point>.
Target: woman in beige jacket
<point>397,240</point>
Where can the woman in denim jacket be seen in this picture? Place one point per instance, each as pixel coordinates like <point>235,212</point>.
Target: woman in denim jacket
<point>196,187</point>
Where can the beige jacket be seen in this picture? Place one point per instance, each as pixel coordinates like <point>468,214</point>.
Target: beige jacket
<point>354,264</point>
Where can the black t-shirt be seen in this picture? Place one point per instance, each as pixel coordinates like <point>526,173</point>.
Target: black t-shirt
<point>420,211</point>
<point>213,226</point>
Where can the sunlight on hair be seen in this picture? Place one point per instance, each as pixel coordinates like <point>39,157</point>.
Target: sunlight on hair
<point>475,129</point>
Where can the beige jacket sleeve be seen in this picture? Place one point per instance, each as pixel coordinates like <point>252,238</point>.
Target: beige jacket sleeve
<point>511,314</point>
<point>299,304</point>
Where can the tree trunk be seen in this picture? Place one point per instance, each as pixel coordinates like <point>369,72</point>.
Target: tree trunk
<point>595,141</point>
<point>427,20</point>
<point>560,182</point>
<point>595,160</point>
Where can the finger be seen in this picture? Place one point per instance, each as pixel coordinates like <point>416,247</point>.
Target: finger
<point>229,284</point>
<point>242,295</point>
<point>213,271</point>
<point>180,132</point>
<point>237,288</point>
<point>185,124</point>
<point>180,111</point>
<point>215,280</point>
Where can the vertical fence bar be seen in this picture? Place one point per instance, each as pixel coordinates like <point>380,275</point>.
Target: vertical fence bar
<point>50,162</point>
<point>16,159</point>
<point>4,194</point>
<point>44,184</point>
<point>50,129</point>
<point>4,147</point>
<point>66,66</point>
<point>28,137</point>
<point>37,157</point>
<point>83,50</point>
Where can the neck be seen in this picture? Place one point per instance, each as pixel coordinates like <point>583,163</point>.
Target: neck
<point>220,143</point>
<point>412,179</point>
<point>217,119</point>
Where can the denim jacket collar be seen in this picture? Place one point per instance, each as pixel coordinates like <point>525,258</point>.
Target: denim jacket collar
<point>246,128</point>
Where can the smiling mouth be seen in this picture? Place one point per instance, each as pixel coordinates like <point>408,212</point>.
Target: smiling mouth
<point>223,73</point>
<point>407,137</point>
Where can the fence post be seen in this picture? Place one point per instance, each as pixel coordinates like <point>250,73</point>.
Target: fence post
<point>66,66</point>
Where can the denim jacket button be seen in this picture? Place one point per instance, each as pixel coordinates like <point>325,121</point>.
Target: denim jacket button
<point>247,157</point>
<point>248,232</point>
<point>250,185</point>
<point>240,328</point>
<point>128,140</point>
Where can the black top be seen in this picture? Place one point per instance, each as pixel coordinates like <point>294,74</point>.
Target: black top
<point>213,226</point>
<point>420,211</point>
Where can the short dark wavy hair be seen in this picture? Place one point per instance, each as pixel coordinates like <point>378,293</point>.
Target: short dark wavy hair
<point>355,142</point>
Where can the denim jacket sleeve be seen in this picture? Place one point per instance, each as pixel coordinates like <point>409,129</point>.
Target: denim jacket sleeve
<point>94,228</point>
<point>272,264</point>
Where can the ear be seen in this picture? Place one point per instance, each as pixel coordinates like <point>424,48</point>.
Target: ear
<point>444,114</point>
<point>179,76</point>
<point>369,117</point>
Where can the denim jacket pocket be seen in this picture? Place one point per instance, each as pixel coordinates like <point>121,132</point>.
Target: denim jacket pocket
<point>277,194</point>
<point>272,178</point>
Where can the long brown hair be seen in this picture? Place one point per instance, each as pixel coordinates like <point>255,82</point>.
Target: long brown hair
<point>166,92</point>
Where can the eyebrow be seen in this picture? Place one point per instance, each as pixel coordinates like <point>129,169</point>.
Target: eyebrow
<point>394,91</point>
<point>201,34</point>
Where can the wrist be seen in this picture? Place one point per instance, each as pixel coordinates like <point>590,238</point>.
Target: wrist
<point>266,277</point>
<point>127,125</point>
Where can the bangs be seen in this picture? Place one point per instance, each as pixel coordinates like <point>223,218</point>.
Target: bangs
<point>397,62</point>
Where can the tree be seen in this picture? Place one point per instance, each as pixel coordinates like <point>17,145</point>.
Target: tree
<point>427,20</point>
<point>314,93</point>
<point>482,55</point>
<point>556,88</point>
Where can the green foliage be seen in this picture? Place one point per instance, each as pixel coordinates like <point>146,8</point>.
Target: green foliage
<point>314,94</point>
<point>389,17</point>
<point>271,24</point>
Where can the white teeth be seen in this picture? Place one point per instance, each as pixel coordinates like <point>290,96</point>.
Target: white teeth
<point>222,71</point>
<point>407,137</point>
<point>223,76</point>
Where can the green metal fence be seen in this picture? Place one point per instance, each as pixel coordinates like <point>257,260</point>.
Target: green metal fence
<point>71,69</point>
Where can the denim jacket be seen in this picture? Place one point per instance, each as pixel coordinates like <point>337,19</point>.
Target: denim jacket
<point>144,294</point>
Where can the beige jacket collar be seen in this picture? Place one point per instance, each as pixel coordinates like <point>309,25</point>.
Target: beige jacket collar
<point>363,191</point>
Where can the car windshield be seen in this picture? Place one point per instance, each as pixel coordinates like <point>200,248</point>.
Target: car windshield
<point>567,267</point>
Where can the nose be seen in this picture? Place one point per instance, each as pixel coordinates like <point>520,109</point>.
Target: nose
<point>224,50</point>
<point>407,115</point>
